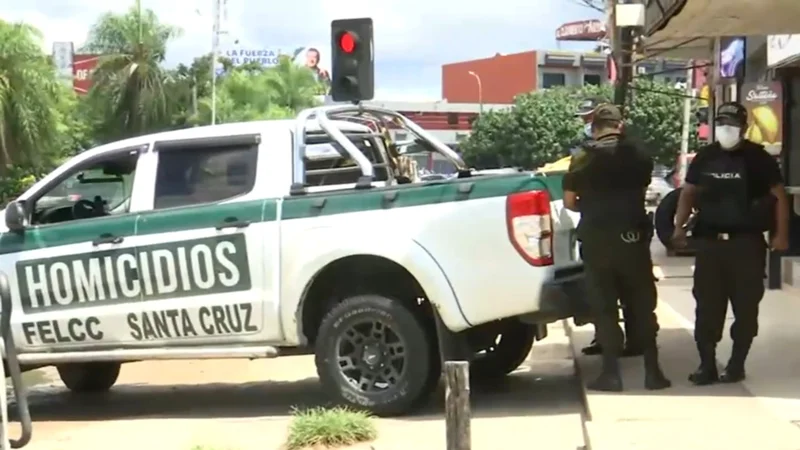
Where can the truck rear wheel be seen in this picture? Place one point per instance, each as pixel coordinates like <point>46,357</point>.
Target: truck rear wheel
<point>373,353</point>
<point>665,217</point>
<point>89,377</point>
<point>507,351</point>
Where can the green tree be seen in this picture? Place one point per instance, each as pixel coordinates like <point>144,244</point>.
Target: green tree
<point>29,92</point>
<point>73,126</point>
<point>537,130</point>
<point>253,92</point>
<point>541,126</point>
<point>129,83</point>
<point>655,119</point>
<point>292,86</point>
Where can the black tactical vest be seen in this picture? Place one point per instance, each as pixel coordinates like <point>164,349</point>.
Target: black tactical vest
<point>612,187</point>
<point>723,200</point>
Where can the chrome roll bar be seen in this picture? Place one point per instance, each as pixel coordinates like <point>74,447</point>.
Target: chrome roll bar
<point>325,116</point>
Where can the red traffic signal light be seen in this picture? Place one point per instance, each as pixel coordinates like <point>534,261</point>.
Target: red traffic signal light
<point>347,42</point>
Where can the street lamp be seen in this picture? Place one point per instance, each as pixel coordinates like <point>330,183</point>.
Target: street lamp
<point>480,91</point>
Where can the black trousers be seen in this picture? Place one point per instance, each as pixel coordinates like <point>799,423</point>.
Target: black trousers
<point>728,271</point>
<point>627,315</point>
<point>619,268</point>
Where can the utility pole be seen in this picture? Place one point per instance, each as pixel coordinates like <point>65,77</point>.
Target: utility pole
<point>621,43</point>
<point>687,121</point>
<point>214,57</point>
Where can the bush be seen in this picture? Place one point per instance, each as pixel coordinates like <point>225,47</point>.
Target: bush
<point>542,127</point>
<point>330,427</point>
<point>14,182</point>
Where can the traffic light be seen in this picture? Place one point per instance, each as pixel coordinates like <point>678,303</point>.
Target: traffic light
<point>353,63</point>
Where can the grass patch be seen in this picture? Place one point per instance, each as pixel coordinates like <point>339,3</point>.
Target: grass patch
<point>34,377</point>
<point>330,427</point>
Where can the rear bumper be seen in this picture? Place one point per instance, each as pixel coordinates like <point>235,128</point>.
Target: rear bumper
<point>563,296</point>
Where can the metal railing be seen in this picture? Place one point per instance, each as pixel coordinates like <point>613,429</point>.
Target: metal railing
<point>369,117</point>
<point>15,372</point>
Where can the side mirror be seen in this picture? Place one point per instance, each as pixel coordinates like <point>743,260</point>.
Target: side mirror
<point>16,217</point>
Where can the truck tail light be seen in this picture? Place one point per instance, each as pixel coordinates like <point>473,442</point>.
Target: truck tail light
<point>530,226</point>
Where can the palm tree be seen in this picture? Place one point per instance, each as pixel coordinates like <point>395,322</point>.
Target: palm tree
<point>29,90</point>
<point>129,81</point>
<point>292,86</point>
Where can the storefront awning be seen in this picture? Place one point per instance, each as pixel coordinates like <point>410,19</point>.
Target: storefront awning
<point>685,27</point>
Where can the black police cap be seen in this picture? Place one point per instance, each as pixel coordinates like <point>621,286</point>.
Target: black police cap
<point>732,112</point>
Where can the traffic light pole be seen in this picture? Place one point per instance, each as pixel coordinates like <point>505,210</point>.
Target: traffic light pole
<point>214,59</point>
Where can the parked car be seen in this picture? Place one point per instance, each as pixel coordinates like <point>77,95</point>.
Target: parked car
<point>658,189</point>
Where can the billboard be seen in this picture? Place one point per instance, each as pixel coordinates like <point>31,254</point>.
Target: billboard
<point>316,58</point>
<point>82,68</point>
<point>583,30</point>
<point>764,107</point>
<point>782,48</point>
<point>62,58</point>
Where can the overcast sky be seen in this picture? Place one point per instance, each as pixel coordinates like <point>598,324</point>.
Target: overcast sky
<point>413,38</point>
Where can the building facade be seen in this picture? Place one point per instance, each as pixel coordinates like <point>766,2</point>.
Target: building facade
<point>449,122</point>
<point>490,80</point>
<point>502,77</point>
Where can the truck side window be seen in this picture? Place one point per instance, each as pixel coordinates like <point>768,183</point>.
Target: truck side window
<point>98,188</point>
<point>194,176</point>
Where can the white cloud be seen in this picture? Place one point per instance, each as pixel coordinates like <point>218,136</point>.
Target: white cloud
<point>412,37</point>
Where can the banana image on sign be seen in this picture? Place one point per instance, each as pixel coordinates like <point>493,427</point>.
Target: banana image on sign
<point>764,128</point>
<point>763,102</point>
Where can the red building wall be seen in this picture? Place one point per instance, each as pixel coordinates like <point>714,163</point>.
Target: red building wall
<point>502,76</point>
<point>460,121</point>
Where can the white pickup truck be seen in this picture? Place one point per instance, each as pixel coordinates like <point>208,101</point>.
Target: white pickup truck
<point>261,239</point>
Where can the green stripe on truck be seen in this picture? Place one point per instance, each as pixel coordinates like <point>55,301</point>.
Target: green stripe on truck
<point>209,216</point>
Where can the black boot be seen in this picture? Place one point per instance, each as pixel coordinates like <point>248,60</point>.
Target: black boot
<point>592,349</point>
<point>734,371</point>
<point>706,373</point>
<point>610,379</point>
<point>654,378</point>
<point>632,350</point>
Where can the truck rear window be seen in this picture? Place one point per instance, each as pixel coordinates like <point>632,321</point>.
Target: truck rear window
<point>328,164</point>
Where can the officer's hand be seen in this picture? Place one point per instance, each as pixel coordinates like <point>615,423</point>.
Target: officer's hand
<point>679,238</point>
<point>779,243</point>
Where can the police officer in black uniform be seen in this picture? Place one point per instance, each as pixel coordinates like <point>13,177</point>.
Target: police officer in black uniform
<point>586,113</point>
<point>737,189</point>
<point>606,183</point>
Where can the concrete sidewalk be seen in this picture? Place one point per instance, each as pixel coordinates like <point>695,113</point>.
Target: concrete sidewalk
<point>755,414</point>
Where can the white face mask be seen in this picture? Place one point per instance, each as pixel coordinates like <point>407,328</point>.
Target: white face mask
<point>728,136</point>
<point>587,130</point>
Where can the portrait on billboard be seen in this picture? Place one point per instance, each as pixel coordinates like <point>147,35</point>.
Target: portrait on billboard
<point>312,58</point>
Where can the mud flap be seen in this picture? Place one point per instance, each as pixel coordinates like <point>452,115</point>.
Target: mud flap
<point>452,346</point>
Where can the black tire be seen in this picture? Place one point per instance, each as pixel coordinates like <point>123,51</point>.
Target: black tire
<point>89,377</point>
<point>665,217</point>
<point>509,350</point>
<point>344,325</point>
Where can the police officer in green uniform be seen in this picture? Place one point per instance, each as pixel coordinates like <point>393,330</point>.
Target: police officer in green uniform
<point>585,112</point>
<point>606,183</point>
<point>737,189</point>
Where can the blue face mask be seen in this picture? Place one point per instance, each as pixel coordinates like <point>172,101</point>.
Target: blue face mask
<point>587,130</point>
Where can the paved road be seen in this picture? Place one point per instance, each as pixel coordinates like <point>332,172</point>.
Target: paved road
<point>241,405</point>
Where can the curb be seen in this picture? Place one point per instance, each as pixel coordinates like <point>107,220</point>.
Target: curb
<point>586,413</point>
